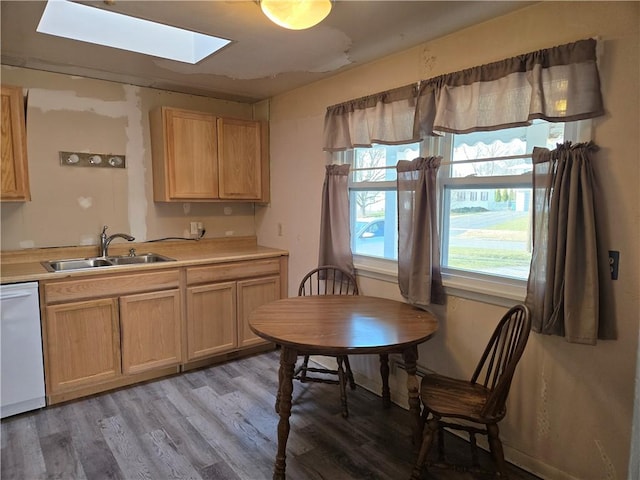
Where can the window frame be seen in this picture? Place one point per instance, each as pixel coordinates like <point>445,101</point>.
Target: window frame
<point>492,289</point>
<point>465,282</point>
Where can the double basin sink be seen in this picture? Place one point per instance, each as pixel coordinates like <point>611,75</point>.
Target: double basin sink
<point>100,262</point>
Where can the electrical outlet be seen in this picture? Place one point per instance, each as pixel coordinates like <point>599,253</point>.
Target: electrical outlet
<point>614,262</point>
<point>194,228</point>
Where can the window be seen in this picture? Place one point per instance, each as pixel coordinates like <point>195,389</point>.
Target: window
<point>103,27</point>
<point>373,197</point>
<point>490,233</point>
<point>485,200</point>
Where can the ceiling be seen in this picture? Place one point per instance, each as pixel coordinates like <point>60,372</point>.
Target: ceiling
<point>263,59</point>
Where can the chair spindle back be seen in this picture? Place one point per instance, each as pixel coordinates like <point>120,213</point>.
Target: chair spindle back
<point>328,280</point>
<point>498,362</point>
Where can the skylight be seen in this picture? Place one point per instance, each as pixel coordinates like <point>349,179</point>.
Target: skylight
<point>102,27</point>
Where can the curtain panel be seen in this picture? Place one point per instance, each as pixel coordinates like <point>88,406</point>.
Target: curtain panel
<point>568,290</point>
<point>558,84</point>
<point>335,236</point>
<point>419,276</point>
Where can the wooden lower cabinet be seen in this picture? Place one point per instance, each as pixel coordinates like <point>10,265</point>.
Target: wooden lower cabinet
<point>220,298</point>
<point>106,331</point>
<point>218,315</point>
<point>251,294</point>
<point>211,319</point>
<point>83,344</point>
<point>150,331</point>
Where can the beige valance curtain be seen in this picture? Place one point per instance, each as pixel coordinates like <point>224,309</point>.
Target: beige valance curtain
<point>569,287</point>
<point>558,84</point>
<point>386,118</point>
<point>335,237</point>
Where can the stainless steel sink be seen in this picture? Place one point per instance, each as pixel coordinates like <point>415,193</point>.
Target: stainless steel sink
<point>136,259</point>
<point>101,262</point>
<point>75,264</point>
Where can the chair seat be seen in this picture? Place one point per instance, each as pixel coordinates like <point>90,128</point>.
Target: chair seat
<point>450,397</point>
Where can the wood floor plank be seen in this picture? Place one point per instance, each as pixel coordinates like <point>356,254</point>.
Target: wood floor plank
<point>126,449</point>
<point>171,464</point>
<point>218,423</point>
<point>233,454</point>
<point>185,437</point>
<point>50,421</point>
<point>22,456</point>
<point>218,471</point>
<point>61,459</point>
<point>86,437</point>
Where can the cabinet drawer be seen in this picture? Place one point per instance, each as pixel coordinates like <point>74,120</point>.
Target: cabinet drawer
<point>232,271</point>
<point>66,290</point>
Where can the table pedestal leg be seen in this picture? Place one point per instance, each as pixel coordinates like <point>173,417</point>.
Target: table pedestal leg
<point>342,380</point>
<point>410,357</point>
<point>288,359</point>
<point>384,374</point>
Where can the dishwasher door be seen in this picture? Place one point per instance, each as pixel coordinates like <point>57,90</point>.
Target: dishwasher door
<point>21,367</point>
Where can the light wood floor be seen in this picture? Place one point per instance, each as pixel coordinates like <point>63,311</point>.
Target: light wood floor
<point>216,423</point>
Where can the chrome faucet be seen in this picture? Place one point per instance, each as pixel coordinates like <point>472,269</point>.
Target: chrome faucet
<point>105,241</point>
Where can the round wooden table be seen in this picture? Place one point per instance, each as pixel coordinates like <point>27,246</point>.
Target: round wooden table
<point>341,325</point>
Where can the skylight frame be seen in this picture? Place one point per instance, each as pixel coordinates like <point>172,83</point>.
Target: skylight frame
<point>85,23</point>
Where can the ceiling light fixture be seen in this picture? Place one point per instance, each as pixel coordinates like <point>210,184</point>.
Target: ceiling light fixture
<point>296,14</point>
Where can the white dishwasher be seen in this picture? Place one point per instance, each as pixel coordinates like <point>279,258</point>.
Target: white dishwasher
<point>22,380</point>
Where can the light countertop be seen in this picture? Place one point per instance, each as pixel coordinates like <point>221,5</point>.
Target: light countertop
<point>25,266</point>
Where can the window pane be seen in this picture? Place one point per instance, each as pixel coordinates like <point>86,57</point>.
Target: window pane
<point>491,235</point>
<point>373,198</point>
<point>502,143</point>
<point>374,230</point>
<point>377,164</point>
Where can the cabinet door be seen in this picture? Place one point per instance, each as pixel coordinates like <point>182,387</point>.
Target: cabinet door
<point>252,294</point>
<point>82,344</point>
<point>239,159</point>
<point>192,155</point>
<point>14,173</point>
<point>211,319</point>
<point>150,324</point>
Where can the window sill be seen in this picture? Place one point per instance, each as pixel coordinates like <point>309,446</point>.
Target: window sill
<point>491,291</point>
<point>495,291</point>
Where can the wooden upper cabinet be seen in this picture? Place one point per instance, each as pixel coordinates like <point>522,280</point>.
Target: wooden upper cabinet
<point>14,171</point>
<point>200,157</point>
<point>185,155</point>
<point>239,159</point>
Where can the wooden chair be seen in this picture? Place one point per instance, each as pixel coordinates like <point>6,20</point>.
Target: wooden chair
<point>481,401</point>
<point>328,280</point>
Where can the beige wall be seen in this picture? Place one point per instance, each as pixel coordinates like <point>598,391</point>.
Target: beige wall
<point>571,406</point>
<point>70,205</point>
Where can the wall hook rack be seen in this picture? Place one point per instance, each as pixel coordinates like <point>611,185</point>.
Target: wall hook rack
<point>100,160</point>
